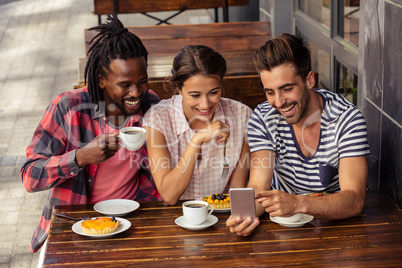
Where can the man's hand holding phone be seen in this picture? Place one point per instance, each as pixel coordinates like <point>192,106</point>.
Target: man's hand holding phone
<point>243,219</point>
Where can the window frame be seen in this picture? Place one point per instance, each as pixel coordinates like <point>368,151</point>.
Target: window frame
<point>340,50</point>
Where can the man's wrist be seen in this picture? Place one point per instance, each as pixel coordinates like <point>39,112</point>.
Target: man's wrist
<point>301,203</point>
<point>78,161</point>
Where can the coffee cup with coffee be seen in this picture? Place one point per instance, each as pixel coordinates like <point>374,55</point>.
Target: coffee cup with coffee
<point>132,138</point>
<point>196,212</point>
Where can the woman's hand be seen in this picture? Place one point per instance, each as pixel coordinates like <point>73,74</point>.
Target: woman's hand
<point>98,150</point>
<point>217,130</point>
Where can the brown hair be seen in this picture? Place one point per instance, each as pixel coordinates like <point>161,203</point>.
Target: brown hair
<point>283,49</point>
<point>194,60</point>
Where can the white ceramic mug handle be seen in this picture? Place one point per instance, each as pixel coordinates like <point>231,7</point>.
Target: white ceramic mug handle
<point>211,209</point>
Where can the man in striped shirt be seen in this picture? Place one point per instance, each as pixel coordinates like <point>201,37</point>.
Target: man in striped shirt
<point>302,141</point>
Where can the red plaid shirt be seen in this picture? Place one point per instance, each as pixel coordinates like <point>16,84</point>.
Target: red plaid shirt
<point>70,122</point>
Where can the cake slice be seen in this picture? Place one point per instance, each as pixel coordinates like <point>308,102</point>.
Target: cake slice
<point>99,226</point>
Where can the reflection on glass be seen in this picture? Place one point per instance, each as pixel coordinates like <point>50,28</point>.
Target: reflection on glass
<point>318,10</point>
<point>351,21</point>
<point>320,62</point>
<point>348,85</point>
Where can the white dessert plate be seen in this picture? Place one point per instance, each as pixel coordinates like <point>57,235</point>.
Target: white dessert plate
<point>211,220</point>
<point>304,219</point>
<point>123,225</point>
<point>116,207</point>
<point>217,209</point>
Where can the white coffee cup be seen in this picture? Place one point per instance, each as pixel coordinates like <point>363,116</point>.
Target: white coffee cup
<point>295,218</point>
<point>196,212</point>
<point>132,138</point>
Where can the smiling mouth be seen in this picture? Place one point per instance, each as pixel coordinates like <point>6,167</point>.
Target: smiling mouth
<point>132,103</point>
<point>288,110</point>
<point>204,112</point>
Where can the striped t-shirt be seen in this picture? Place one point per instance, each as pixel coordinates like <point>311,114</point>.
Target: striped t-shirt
<point>343,134</point>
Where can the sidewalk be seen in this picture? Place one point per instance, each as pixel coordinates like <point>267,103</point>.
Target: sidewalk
<point>40,44</point>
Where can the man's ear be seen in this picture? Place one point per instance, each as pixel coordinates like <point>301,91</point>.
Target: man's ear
<point>310,80</point>
<point>102,81</point>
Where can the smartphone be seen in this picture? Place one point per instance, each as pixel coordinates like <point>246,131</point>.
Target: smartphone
<point>242,203</point>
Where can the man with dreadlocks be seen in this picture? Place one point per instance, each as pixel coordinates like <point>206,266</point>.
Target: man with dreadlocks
<point>75,150</point>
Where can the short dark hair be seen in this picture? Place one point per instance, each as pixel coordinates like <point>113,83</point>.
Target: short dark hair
<point>113,41</point>
<point>193,60</point>
<point>283,49</point>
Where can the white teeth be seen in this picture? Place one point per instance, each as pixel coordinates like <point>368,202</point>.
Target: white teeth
<point>204,111</point>
<point>132,103</point>
<point>287,110</point>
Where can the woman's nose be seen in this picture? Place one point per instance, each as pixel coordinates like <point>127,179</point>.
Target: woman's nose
<point>204,103</point>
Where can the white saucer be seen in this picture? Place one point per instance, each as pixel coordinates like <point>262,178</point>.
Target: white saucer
<point>116,207</point>
<point>123,225</point>
<point>211,220</point>
<point>304,219</point>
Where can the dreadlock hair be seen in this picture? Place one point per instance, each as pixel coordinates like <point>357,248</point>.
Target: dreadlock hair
<point>282,49</point>
<point>113,41</point>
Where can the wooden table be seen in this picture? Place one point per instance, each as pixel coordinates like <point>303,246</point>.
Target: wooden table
<point>373,239</point>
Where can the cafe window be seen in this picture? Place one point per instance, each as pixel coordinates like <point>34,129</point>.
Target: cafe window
<point>320,62</point>
<point>332,30</point>
<point>351,15</point>
<point>318,10</point>
<point>348,84</point>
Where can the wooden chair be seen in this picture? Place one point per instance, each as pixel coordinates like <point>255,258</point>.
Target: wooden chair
<point>103,7</point>
<point>236,41</point>
<point>168,39</point>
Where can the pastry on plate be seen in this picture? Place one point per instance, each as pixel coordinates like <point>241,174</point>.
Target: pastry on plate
<point>99,226</point>
<point>219,201</point>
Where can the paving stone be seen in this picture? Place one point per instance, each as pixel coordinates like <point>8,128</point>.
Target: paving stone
<point>23,249</point>
<point>3,193</point>
<point>7,173</point>
<point>21,260</point>
<point>34,203</point>
<point>11,205</point>
<point>13,217</point>
<point>5,260</point>
<point>5,250</point>
<point>8,232</point>
<point>35,258</point>
<point>41,42</point>
<point>8,161</point>
<point>21,160</point>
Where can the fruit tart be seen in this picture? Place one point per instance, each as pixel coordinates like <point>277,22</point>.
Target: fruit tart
<point>319,194</point>
<point>219,201</point>
<point>99,226</point>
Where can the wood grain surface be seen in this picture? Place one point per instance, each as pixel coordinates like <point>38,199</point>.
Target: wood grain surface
<point>102,7</point>
<point>370,240</point>
<point>168,39</point>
